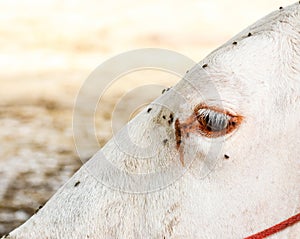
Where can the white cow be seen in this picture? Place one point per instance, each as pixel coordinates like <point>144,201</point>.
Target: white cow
<point>254,176</point>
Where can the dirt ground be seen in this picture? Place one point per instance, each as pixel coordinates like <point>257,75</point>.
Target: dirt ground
<point>48,49</point>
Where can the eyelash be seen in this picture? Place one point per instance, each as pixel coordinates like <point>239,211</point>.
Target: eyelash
<point>214,122</point>
<point>211,120</point>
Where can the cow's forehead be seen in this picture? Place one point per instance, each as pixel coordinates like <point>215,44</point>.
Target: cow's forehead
<point>248,65</point>
<point>258,47</point>
<point>232,74</point>
<point>283,21</point>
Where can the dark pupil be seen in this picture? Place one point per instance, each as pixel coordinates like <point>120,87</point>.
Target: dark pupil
<point>213,122</point>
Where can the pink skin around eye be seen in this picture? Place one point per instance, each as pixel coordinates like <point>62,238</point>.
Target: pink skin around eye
<point>192,125</point>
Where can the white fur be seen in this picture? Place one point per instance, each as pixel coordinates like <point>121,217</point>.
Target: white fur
<point>257,187</point>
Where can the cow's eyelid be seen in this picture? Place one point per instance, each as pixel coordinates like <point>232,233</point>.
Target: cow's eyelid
<point>212,120</point>
<point>215,122</point>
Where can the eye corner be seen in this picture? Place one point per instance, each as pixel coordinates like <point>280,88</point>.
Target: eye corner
<point>235,121</point>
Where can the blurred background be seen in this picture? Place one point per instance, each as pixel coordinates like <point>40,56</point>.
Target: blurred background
<point>48,49</point>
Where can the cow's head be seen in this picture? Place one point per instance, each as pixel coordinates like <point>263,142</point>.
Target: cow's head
<point>216,156</point>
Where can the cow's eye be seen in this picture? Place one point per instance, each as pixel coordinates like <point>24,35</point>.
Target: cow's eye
<point>212,121</point>
<point>215,123</point>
